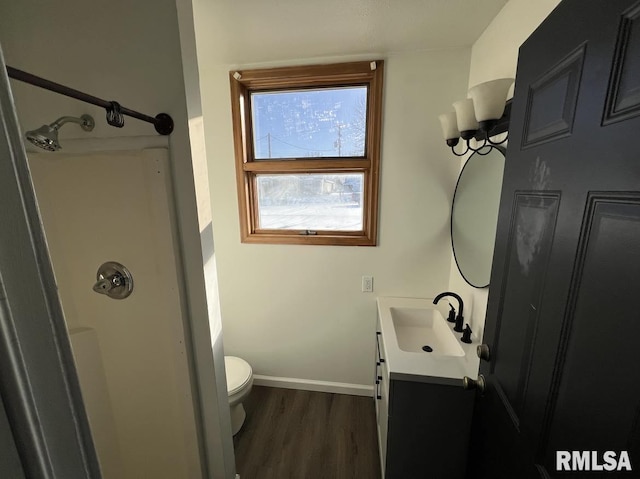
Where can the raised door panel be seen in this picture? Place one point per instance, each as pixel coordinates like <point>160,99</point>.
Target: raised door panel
<point>552,101</point>
<point>623,99</point>
<point>597,361</point>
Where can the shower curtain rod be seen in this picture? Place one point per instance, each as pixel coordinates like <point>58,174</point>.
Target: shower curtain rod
<point>162,122</point>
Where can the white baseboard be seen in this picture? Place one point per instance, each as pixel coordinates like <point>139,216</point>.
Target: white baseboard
<point>311,385</point>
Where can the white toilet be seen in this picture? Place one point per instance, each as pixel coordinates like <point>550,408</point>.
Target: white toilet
<point>239,382</point>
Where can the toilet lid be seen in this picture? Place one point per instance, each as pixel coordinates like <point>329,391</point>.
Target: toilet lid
<point>238,373</point>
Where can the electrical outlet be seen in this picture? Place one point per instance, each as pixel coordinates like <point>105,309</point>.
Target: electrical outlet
<point>367,284</point>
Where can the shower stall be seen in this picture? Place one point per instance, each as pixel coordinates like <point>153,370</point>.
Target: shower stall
<point>107,211</point>
<point>116,207</point>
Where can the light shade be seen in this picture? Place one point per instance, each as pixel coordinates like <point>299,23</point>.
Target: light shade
<point>489,98</point>
<point>449,125</point>
<point>465,115</point>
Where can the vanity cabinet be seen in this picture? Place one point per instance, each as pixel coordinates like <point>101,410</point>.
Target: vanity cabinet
<point>423,423</point>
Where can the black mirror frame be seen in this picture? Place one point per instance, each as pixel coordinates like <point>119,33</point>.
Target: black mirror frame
<point>502,150</point>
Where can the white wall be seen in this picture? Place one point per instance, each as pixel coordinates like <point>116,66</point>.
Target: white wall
<point>132,52</point>
<point>495,55</point>
<point>297,311</point>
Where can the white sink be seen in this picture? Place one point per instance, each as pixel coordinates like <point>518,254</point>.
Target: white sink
<point>416,328</point>
<point>405,325</point>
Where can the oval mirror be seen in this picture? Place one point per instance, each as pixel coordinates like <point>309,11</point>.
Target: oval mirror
<point>474,215</point>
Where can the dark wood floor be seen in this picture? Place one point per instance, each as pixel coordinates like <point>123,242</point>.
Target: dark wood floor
<point>307,435</point>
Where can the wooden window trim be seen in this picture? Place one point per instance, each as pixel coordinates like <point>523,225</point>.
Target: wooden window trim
<point>243,83</point>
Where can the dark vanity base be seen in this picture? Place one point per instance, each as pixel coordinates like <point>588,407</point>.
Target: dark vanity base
<point>429,427</point>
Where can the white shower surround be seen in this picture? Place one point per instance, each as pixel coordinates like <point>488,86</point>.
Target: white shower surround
<point>117,205</point>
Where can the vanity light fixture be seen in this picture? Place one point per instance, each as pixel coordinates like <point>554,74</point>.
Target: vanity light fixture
<point>479,117</point>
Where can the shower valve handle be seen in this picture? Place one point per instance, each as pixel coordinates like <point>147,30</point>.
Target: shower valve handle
<point>106,284</point>
<point>113,280</point>
<point>103,286</point>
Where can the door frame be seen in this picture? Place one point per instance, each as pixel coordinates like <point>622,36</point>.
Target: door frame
<point>38,382</point>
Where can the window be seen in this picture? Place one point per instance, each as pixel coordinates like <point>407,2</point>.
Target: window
<point>307,147</point>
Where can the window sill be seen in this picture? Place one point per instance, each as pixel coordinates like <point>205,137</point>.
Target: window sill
<point>317,239</point>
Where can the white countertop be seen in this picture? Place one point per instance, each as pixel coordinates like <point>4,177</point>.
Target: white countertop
<point>423,367</point>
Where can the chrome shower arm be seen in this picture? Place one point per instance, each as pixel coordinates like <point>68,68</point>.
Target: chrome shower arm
<point>85,121</point>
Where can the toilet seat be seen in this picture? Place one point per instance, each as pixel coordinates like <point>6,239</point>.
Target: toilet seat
<point>238,373</point>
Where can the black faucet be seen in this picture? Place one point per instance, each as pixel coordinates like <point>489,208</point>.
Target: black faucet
<point>460,317</point>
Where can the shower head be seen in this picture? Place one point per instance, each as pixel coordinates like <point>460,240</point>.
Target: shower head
<point>46,137</point>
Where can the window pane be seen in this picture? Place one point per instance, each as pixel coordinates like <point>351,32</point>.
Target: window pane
<point>329,122</point>
<point>311,201</point>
